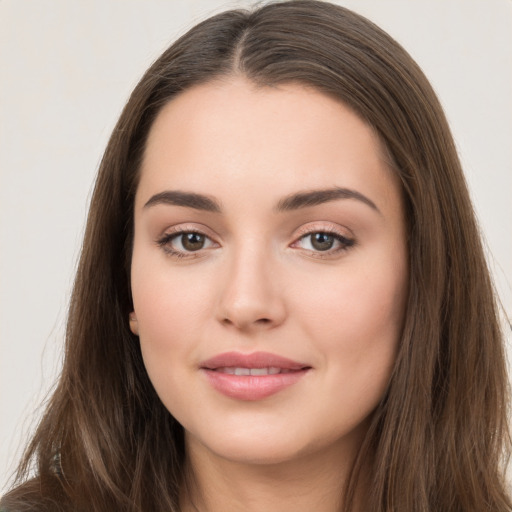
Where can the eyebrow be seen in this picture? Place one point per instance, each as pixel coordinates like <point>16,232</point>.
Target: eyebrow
<point>316,197</point>
<point>292,202</point>
<point>187,199</point>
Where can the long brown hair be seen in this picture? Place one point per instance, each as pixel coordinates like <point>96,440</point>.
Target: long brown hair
<point>439,437</point>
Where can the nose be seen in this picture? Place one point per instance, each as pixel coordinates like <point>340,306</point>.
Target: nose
<point>251,297</point>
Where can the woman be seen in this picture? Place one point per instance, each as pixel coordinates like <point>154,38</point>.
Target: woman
<point>282,300</point>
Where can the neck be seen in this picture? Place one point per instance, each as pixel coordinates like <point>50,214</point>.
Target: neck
<point>312,482</point>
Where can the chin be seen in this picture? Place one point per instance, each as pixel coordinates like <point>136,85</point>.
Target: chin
<point>256,453</point>
<point>259,446</point>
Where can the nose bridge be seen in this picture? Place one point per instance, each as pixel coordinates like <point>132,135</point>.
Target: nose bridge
<point>250,296</point>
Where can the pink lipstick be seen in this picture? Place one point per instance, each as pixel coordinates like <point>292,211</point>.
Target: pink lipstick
<point>252,376</point>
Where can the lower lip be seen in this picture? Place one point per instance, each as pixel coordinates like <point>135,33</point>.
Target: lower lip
<point>252,387</point>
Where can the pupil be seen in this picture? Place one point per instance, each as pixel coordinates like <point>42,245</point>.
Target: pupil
<point>192,241</point>
<point>322,241</point>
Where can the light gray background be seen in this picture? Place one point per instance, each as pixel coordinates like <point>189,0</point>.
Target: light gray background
<point>66,69</point>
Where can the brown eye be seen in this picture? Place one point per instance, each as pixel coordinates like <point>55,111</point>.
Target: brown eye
<point>185,243</point>
<point>192,241</point>
<point>322,241</point>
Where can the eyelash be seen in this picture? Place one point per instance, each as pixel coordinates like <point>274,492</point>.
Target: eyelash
<point>345,242</point>
<point>164,243</point>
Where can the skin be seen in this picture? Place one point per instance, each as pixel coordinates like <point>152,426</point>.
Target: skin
<point>260,284</point>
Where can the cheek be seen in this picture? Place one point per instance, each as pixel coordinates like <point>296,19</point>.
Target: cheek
<point>356,321</point>
<point>169,304</point>
<point>174,309</point>
<point>355,304</point>
<point>169,312</point>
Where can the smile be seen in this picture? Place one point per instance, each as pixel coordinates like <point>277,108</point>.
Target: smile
<point>253,371</point>
<point>252,376</point>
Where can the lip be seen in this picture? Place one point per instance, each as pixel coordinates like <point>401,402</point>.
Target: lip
<point>252,387</point>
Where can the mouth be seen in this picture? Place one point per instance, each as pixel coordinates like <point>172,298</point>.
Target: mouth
<point>273,370</point>
<point>252,376</point>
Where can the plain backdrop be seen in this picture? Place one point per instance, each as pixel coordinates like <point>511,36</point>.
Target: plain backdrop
<point>66,69</point>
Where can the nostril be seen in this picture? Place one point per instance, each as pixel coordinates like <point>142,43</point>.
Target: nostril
<point>243,324</point>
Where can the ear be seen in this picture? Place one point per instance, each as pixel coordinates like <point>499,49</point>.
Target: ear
<point>134,323</point>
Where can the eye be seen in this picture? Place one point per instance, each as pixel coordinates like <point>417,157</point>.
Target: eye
<point>183,243</point>
<point>328,242</point>
<point>320,241</point>
<point>190,241</point>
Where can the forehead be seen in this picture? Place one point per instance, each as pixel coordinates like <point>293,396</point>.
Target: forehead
<point>232,136</point>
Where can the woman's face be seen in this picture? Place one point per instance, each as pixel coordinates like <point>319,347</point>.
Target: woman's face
<point>269,270</point>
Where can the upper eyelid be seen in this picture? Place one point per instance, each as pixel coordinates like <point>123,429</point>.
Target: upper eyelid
<point>187,228</point>
<point>319,227</point>
<point>347,240</point>
<point>305,229</point>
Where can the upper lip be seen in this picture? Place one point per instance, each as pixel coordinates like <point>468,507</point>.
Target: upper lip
<point>253,360</point>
